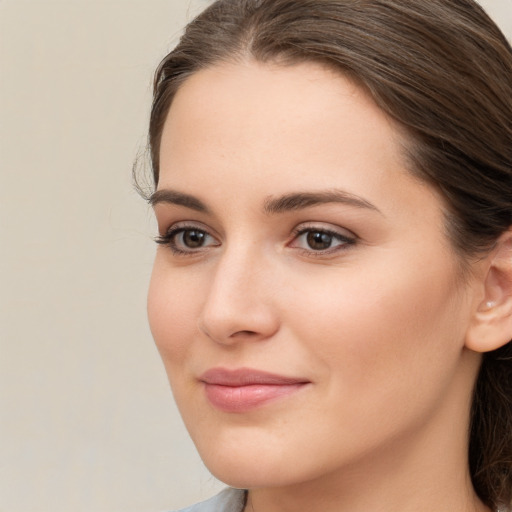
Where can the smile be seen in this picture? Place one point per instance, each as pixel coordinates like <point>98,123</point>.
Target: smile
<point>242,390</point>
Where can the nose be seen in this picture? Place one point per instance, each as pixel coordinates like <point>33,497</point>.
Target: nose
<point>240,300</point>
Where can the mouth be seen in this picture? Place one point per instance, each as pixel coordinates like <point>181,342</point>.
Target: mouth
<point>245,389</point>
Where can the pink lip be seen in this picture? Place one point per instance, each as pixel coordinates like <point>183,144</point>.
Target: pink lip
<point>244,389</point>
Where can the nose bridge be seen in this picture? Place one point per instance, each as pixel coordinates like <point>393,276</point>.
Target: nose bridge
<point>239,299</point>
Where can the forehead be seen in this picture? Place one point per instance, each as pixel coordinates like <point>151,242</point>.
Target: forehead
<point>256,92</point>
<point>303,117</point>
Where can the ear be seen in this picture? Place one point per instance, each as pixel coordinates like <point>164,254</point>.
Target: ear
<point>491,323</point>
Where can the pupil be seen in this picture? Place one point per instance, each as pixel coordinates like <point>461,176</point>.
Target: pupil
<point>193,239</point>
<point>319,241</point>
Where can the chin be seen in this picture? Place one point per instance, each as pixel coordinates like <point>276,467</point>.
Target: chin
<point>246,474</point>
<point>246,461</point>
<point>256,461</point>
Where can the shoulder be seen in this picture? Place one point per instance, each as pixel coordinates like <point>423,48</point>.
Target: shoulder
<point>229,500</point>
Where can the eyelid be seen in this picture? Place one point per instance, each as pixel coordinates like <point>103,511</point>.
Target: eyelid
<point>183,224</point>
<point>324,227</point>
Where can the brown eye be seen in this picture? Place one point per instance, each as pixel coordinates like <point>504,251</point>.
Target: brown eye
<point>187,240</point>
<point>192,238</point>
<point>318,240</point>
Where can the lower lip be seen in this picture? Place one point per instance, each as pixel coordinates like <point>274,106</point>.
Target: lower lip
<point>245,398</point>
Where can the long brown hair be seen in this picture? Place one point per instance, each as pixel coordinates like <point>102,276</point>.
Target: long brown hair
<point>443,70</point>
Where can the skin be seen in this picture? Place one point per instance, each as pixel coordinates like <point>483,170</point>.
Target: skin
<point>377,325</point>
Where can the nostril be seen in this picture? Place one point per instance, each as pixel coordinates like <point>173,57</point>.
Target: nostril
<point>244,333</point>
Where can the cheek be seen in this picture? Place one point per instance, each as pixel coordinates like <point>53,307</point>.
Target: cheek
<point>172,314</point>
<point>381,331</point>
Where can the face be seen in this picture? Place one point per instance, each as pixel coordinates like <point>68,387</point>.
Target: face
<point>304,298</point>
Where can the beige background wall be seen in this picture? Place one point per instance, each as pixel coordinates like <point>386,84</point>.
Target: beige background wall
<point>86,417</point>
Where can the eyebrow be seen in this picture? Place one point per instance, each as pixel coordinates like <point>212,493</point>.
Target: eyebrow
<point>302,200</point>
<point>272,205</point>
<point>179,198</point>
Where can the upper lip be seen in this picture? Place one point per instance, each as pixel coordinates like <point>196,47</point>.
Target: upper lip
<point>247,377</point>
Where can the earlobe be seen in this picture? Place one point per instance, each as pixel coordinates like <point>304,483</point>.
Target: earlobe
<point>491,323</point>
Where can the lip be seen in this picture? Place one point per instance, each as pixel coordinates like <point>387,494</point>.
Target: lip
<point>245,389</point>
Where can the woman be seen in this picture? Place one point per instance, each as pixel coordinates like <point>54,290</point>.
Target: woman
<point>332,292</point>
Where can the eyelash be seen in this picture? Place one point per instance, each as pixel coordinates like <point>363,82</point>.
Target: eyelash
<point>345,240</point>
<point>169,240</point>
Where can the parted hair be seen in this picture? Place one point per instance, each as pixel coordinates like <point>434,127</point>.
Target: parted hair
<point>443,71</point>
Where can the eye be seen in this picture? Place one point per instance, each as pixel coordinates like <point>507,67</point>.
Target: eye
<point>318,240</point>
<point>321,240</point>
<point>187,239</point>
<point>191,238</point>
